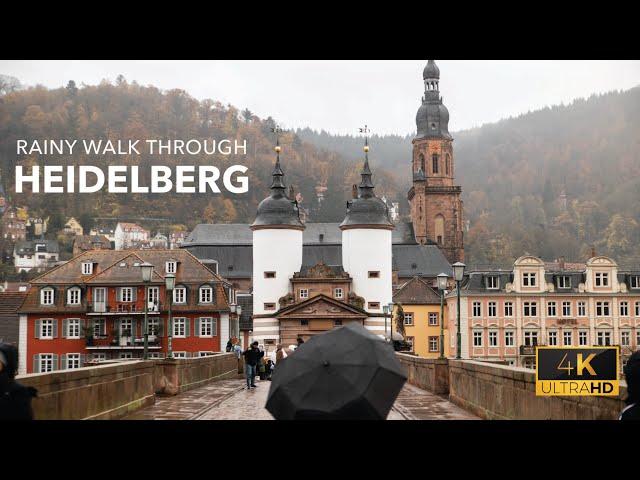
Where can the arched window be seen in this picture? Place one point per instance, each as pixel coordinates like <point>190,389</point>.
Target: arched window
<point>422,162</point>
<point>446,163</point>
<point>434,158</point>
<point>439,229</point>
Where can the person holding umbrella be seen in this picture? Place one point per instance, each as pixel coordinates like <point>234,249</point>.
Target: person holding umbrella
<point>347,373</point>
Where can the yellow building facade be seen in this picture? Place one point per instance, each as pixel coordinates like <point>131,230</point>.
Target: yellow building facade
<point>422,321</point>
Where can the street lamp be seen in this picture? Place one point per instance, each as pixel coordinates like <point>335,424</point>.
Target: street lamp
<point>442,286</point>
<point>458,274</point>
<point>169,283</point>
<point>239,311</point>
<point>147,271</point>
<point>385,309</point>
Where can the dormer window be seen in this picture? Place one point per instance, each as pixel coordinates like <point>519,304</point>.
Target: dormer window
<point>529,279</point>
<point>602,279</point>
<point>206,294</point>
<point>564,281</point>
<point>87,268</point>
<point>73,296</point>
<point>46,296</point>
<point>493,282</point>
<point>170,266</point>
<point>635,281</point>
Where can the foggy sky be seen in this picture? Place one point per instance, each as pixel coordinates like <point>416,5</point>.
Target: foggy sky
<point>340,96</point>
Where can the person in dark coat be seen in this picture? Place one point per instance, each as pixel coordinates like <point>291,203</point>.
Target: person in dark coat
<point>632,376</point>
<point>252,356</point>
<point>229,346</point>
<point>15,399</point>
<point>300,341</point>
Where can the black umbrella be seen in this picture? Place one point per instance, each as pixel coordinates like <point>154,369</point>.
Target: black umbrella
<point>345,373</point>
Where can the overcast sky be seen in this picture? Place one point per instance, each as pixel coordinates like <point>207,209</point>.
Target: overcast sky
<point>340,96</point>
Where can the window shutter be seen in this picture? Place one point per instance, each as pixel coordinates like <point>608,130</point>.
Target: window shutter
<point>116,325</point>
<point>36,363</point>
<point>214,327</point>
<point>119,294</point>
<point>63,362</point>
<point>213,294</point>
<point>54,362</point>
<point>36,331</point>
<point>134,294</point>
<point>65,327</point>
<point>196,330</point>
<point>187,354</point>
<point>134,332</point>
<point>55,327</point>
<point>187,321</point>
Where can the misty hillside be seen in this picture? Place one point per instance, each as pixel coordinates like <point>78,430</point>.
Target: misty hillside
<point>514,172</point>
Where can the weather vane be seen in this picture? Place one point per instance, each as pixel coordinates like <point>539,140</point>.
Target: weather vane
<point>366,131</point>
<point>277,130</point>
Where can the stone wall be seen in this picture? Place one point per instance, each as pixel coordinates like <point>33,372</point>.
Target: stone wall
<point>114,390</point>
<point>504,392</point>
<point>427,373</point>
<point>101,392</point>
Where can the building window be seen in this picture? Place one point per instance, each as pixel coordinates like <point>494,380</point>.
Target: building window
<point>551,309</point>
<point>206,295</point>
<point>207,327</point>
<point>46,328</point>
<point>153,326</point>
<point>73,328</point>
<point>604,338</point>
<point>73,296</point>
<point>637,338</point>
<point>269,306</point>
<point>566,309</point>
<point>338,293</point>
<point>374,305</point>
<point>492,283</point>
<point>433,319</point>
<point>625,338</point>
<point>634,281</point>
<point>583,338</point>
<point>46,363</point>
<point>493,309</point>
<point>434,161</point>
<point>125,294</point>
<point>99,327</point>
<point>170,267</point>
<point>508,309</point>
<point>269,274</point>
<point>125,327</point>
<point>434,344</point>
<point>530,338</point>
<point>304,293</point>
<point>179,327</point>
<point>337,323</point>
<point>477,309</point>
<point>126,355</point>
<point>477,338</point>
<point>180,295</point>
<point>73,361</point>
<point>509,338</point>
<point>624,309</point>
<point>564,281</point>
<point>602,279</point>
<point>553,338</point>
<point>99,357</point>
<point>373,274</point>
<point>582,309</point>
<point>530,309</point>
<point>87,268</point>
<point>529,279</point>
<point>602,309</point>
<point>46,296</point>
<point>408,318</point>
<point>447,160</point>
<point>410,341</point>
<point>493,338</point>
<point>179,354</point>
<point>567,338</point>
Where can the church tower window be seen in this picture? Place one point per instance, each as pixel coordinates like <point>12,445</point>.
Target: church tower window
<point>434,158</point>
<point>446,164</point>
<point>439,229</point>
<point>422,166</point>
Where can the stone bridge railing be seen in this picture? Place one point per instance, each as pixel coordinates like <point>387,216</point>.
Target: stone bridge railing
<point>503,392</point>
<point>114,390</point>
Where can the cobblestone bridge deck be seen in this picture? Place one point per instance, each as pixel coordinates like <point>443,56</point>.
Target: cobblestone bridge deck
<point>229,400</point>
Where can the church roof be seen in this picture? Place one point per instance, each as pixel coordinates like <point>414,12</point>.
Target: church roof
<point>432,119</point>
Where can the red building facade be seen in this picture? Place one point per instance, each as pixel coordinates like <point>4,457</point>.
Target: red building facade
<point>91,309</point>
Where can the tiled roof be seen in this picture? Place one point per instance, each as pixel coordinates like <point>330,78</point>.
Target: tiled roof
<point>416,292</point>
<point>10,302</point>
<point>246,316</point>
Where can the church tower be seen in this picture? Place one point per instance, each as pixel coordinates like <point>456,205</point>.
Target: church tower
<point>436,207</point>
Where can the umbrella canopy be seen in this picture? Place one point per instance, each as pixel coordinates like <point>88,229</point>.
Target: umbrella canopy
<point>345,373</point>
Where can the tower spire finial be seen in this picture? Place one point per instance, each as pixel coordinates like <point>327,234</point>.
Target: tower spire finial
<point>366,186</point>
<point>277,182</point>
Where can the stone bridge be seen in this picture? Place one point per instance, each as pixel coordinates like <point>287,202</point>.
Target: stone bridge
<point>210,388</point>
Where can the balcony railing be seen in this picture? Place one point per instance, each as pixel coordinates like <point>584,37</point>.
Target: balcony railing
<point>121,307</point>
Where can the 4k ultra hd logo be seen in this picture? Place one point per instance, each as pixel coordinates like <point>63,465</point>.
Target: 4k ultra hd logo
<point>572,371</point>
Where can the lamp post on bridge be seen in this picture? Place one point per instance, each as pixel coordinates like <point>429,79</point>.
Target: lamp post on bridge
<point>458,275</point>
<point>170,283</point>
<point>147,271</point>
<point>442,286</point>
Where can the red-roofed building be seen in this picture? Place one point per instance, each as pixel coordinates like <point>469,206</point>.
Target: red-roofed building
<point>91,308</point>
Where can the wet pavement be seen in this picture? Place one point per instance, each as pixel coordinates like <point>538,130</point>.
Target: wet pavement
<point>229,400</point>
